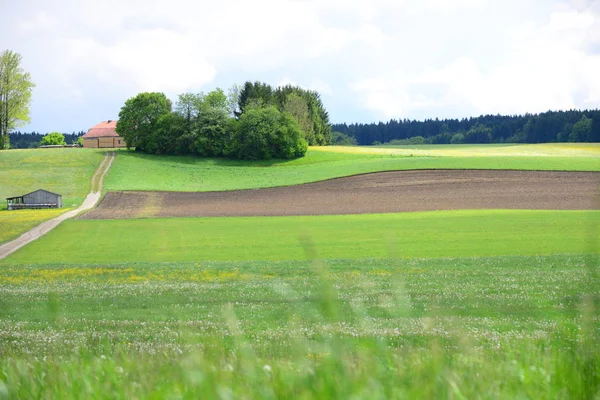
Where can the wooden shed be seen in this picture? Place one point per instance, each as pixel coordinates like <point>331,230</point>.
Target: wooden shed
<point>38,199</point>
<point>103,135</point>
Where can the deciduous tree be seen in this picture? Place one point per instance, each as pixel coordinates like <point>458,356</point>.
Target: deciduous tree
<point>212,135</point>
<point>265,133</point>
<point>296,106</point>
<point>138,119</point>
<point>581,130</point>
<point>54,139</point>
<point>189,106</point>
<point>217,99</point>
<point>15,95</point>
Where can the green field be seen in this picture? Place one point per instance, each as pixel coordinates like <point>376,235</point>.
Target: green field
<point>447,304</point>
<point>507,149</point>
<point>415,235</point>
<point>14,223</point>
<point>64,171</point>
<point>134,171</point>
<point>67,171</point>
<point>371,328</point>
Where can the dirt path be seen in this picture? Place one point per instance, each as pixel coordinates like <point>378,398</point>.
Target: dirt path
<point>90,201</point>
<point>384,192</point>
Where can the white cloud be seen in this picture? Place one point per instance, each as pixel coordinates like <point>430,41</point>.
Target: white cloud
<point>321,87</point>
<point>370,58</point>
<point>150,60</point>
<point>546,67</point>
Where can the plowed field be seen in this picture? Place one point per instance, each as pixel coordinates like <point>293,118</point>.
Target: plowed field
<point>384,192</point>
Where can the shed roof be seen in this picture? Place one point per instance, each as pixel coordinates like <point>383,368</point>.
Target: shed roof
<point>103,129</point>
<point>39,190</point>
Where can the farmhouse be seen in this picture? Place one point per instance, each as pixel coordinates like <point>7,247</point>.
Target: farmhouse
<point>38,199</point>
<point>103,135</point>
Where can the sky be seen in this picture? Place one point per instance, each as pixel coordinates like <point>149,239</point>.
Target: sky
<point>371,60</point>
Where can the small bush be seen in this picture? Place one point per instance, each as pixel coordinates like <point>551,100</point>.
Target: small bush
<point>54,139</point>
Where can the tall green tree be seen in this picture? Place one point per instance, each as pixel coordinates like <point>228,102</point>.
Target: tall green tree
<point>255,95</point>
<point>189,106</point>
<point>212,137</point>
<point>217,99</point>
<point>297,107</point>
<point>139,117</point>
<point>320,132</point>
<point>15,95</point>
<point>320,118</point>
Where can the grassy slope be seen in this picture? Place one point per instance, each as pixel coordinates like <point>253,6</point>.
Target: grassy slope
<point>431,234</point>
<point>64,171</point>
<point>501,327</point>
<point>133,171</point>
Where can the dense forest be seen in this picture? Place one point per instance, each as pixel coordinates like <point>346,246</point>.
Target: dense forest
<point>24,140</point>
<point>551,126</point>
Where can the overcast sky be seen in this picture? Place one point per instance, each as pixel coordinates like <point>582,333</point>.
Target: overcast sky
<point>371,60</point>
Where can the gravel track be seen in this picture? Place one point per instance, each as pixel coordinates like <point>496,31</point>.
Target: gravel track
<point>384,192</point>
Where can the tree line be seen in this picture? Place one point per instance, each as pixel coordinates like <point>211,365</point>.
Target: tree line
<point>551,126</point>
<point>254,121</point>
<point>31,140</point>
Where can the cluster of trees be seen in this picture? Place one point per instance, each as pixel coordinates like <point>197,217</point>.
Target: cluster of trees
<point>15,95</point>
<point>25,140</point>
<point>551,126</point>
<point>250,122</point>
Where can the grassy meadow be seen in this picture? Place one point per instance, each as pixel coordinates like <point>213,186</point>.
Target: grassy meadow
<point>134,171</point>
<point>448,304</point>
<point>67,171</point>
<point>14,223</point>
<point>483,327</point>
<point>406,235</point>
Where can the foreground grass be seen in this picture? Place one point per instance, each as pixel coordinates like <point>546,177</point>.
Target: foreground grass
<point>491,327</point>
<point>409,235</point>
<point>65,171</point>
<point>134,171</point>
<point>14,223</point>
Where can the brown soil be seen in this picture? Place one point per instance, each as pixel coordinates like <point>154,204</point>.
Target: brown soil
<point>383,192</point>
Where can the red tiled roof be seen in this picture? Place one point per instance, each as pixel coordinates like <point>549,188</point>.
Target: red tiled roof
<point>103,129</point>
